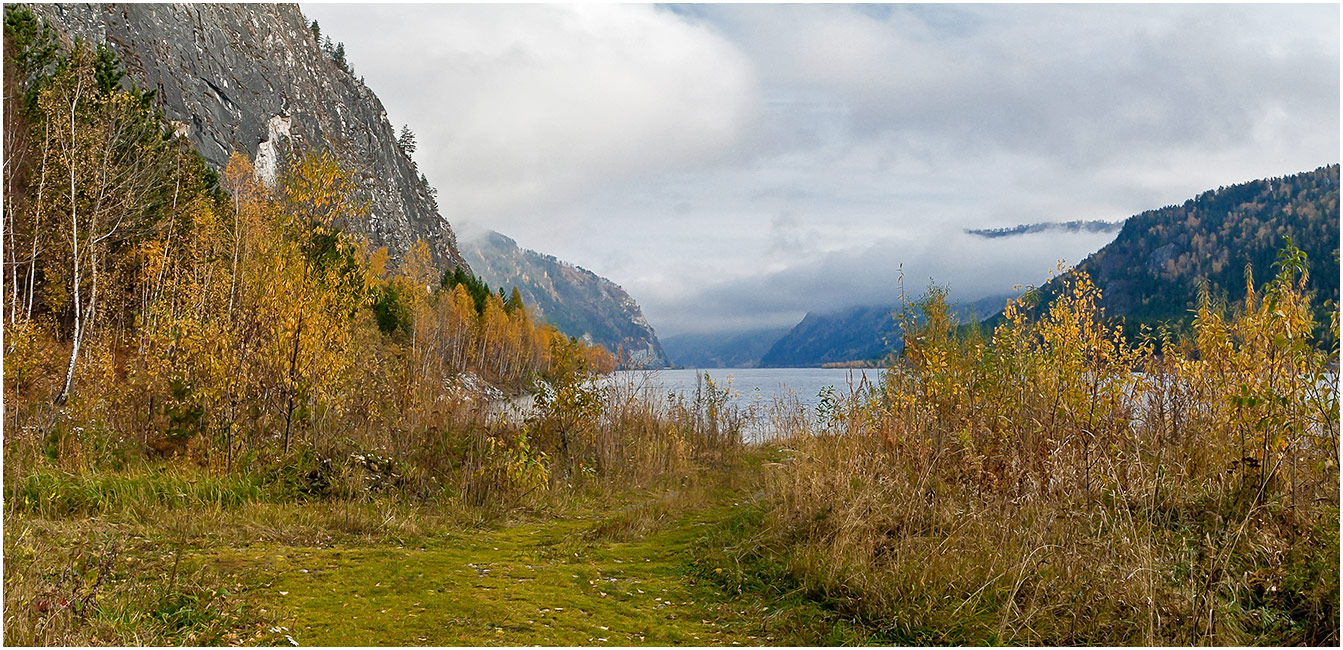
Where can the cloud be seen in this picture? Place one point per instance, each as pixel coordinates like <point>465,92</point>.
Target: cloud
<point>1082,84</point>
<point>736,166</point>
<point>878,272</point>
<point>521,107</point>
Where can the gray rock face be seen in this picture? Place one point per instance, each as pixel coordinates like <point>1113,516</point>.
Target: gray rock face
<point>576,301</point>
<point>252,78</point>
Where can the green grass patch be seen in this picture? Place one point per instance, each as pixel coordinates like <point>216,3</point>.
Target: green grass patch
<point>535,583</point>
<point>732,551</point>
<point>53,493</point>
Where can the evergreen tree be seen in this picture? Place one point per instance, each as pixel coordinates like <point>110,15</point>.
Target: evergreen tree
<point>514,302</point>
<point>338,55</point>
<point>407,140</point>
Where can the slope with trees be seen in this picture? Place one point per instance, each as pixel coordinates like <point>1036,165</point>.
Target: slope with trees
<point>1152,271</point>
<point>576,301</point>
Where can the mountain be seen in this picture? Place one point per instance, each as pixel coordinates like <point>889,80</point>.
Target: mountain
<point>252,78</point>
<point>740,350</point>
<point>856,334</point>
<point>852,334</point>
<point>576,301</point>
<point>1151,272</point>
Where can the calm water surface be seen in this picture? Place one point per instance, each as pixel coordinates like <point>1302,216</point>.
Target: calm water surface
<point>760,385</point>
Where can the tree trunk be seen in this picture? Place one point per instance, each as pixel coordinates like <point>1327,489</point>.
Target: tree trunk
<point>75,278</point>
<point>293,383</point>
<point>37,221</point>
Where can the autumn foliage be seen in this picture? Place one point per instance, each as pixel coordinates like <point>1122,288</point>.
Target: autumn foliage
<point>157,309</point>
<point>1054,483</point>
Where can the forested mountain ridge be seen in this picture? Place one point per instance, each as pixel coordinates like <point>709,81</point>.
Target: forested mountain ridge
<point>257,79</point>
<point>576,301</point>
<point>718,350</point>
<point>1152,271</point>
<point>853,334</point>
<point>867,333</point>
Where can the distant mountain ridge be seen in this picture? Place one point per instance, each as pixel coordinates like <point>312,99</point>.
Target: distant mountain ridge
<point>576,301</point>
<point>734,350</point>
<point>853,334</point>
<point>867,333</point>
<point>1034,228</point>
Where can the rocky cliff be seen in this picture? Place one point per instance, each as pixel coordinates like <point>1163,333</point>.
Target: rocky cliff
<point>576,301</point>
<point>252,78</point>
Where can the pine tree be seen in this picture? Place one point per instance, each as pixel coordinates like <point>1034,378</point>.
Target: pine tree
<point>407,140</point>
<point>514,302</point>
<point>338,55</point>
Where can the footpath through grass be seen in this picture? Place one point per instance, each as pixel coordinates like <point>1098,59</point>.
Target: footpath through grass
<point>639,575</point>
<point>658,572</point>
<point>543,583</point>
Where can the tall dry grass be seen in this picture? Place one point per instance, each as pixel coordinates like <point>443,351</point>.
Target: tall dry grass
<point>1054,484</point>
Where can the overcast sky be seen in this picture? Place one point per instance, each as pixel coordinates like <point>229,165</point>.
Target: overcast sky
<point>735,166</point>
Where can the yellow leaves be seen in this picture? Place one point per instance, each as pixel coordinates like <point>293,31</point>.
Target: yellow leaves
<point>377,263</point>
<point>317,190</point>
<point>418,265</point>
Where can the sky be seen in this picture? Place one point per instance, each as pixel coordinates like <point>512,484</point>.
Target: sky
<point>736,166</point>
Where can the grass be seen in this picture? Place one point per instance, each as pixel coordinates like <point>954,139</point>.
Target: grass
<point>52,493</point>
<point>519,584</point>
<point>641,567</point>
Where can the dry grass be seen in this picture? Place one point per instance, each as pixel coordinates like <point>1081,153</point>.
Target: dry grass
<point>1033,489</point>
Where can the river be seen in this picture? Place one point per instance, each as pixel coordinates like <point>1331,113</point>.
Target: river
<point>750,385</point>
<point>759,393</point>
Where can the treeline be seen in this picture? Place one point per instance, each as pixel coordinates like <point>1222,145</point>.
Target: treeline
<point>166,307</point>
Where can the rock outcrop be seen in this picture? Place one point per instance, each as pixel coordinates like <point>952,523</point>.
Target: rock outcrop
<point>252,78</point>
<point>576,301</point>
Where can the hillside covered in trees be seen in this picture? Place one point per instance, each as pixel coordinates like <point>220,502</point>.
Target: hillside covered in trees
<point>576,301</point>
<point>1151,273</point>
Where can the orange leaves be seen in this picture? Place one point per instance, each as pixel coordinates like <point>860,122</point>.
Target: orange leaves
<point>240,179</point>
